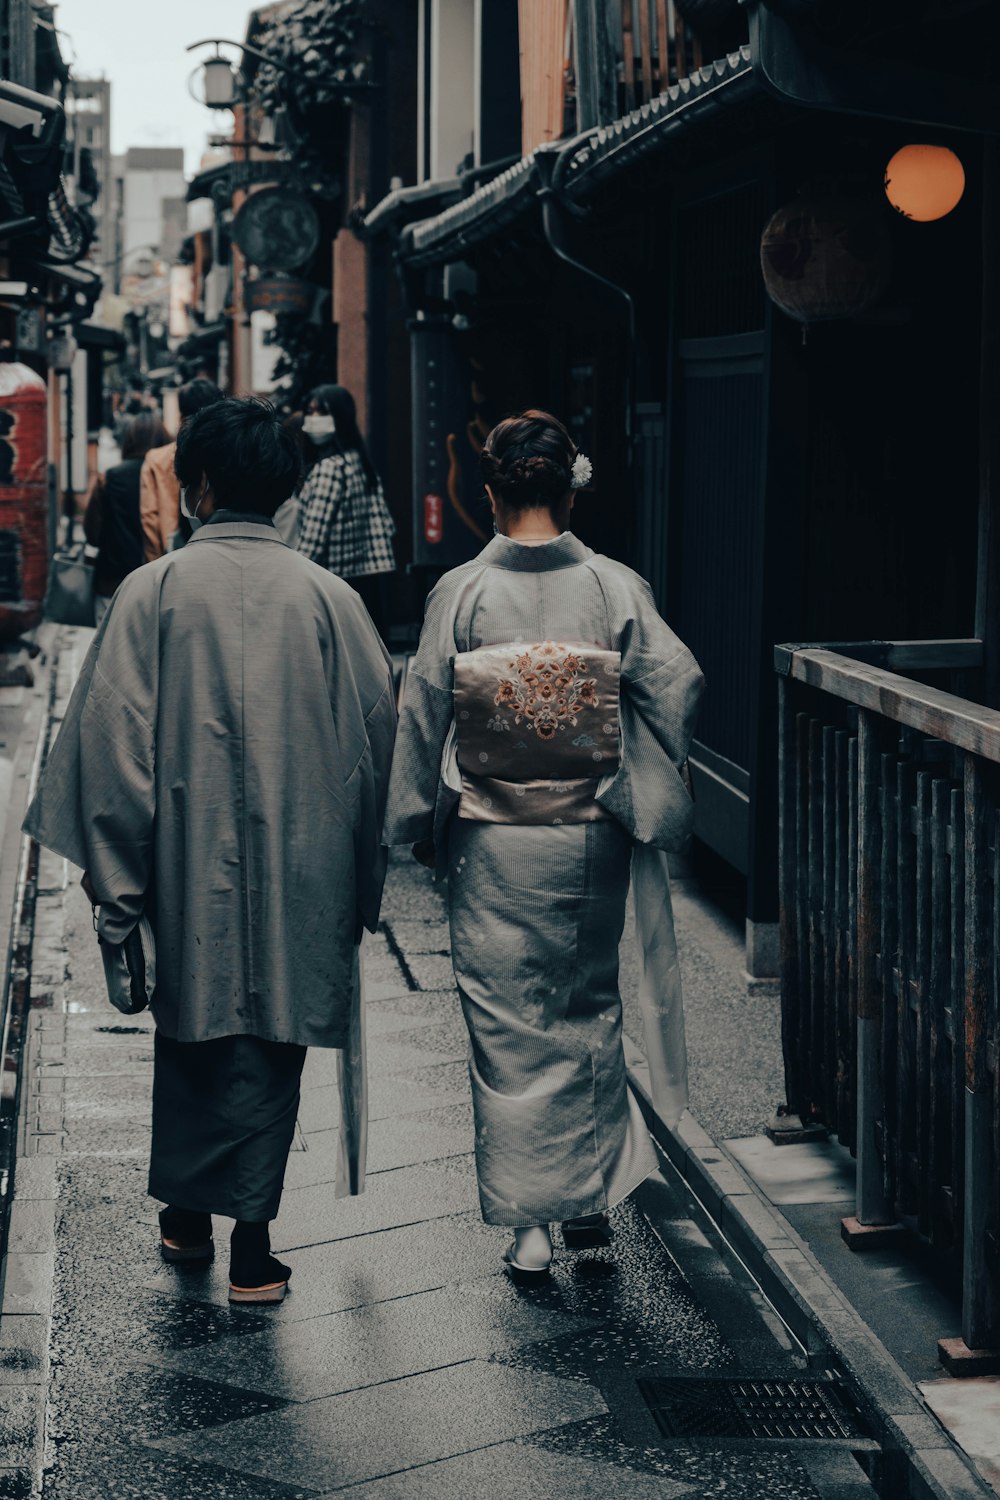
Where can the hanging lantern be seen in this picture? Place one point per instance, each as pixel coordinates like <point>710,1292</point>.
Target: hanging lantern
<point>220,83</point>
<point>825,257</point>
<point>924,182</point>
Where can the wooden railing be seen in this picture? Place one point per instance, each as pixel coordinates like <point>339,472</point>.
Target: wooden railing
<point>890,941</point>
<point>657,48</point>
<point>587,62</point>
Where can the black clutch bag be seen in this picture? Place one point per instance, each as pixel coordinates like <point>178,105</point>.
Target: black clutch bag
<point>130,969</point>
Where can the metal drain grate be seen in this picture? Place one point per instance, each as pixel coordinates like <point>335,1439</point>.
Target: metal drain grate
<point>687,1406</point>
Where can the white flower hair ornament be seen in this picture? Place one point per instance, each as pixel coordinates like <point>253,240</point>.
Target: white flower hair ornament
<point>581,473</point>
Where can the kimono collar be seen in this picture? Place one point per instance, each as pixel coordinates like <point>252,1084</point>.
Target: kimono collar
<point>564,551</point>
<point>234,524</point>
<point>226,515</point>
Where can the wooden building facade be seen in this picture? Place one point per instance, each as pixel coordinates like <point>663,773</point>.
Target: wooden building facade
<point>772,484</point>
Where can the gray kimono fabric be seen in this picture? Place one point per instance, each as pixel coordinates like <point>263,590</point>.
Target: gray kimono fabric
<point>537,910</point>
<point>558,591</point>
<point>225,756</point>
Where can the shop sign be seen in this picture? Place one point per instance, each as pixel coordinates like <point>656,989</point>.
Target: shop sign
<point>433,519</point>
<point>280,294</point>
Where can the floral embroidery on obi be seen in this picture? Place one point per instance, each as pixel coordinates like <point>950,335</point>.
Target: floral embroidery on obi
<point>542,718</point>
<point>546,690</point>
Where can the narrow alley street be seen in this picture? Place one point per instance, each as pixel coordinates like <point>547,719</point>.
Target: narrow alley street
<point>404,1363</point>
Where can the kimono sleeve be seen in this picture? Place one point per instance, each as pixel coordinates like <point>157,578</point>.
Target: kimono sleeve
<point>96,802</point>
<point>425,719</point>
<point>367,784</point>
<point>661,687</point>
<point>661,678</point>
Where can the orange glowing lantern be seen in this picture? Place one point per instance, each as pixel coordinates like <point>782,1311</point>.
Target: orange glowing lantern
<point>924,182</point>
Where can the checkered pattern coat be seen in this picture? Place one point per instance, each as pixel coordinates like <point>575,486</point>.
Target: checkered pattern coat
<point>345,527</point>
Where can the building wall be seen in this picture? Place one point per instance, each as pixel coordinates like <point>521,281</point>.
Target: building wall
<point>89,107</point>
<point>452,84</point>
<point>151,176</point>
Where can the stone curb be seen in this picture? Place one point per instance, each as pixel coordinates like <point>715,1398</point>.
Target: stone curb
<point>921,1462</point>
<point>27,1239</point>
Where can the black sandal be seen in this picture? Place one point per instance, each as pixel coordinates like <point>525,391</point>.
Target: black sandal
<point>590,1231</point>
<point>254,1274</point>
<point>185,1235</point>
<point>258,1281</point>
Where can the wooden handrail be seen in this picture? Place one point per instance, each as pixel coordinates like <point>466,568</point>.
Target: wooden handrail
<point>943,716</point>
<point>895,656</point>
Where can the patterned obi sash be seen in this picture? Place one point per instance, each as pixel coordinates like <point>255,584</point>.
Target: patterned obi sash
<point>536,731</point>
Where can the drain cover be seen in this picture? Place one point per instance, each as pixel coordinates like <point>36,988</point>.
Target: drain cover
<point>787,1409</point>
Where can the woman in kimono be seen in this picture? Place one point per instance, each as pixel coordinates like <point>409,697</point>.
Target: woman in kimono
<point>221,770</point>
<point>546,715</point>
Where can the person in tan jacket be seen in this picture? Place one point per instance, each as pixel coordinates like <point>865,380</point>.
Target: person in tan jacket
<point>159,490</point>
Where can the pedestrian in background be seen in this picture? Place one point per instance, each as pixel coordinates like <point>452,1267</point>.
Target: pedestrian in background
<point>222,769</point>
<point>344,522</point>
<point>111,521</point>
<point>288,518</point>
<point>547,713</point>
<point>159,487</point>
<point>131,403</point>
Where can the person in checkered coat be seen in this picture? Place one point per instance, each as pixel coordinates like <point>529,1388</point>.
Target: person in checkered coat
<point>344,522</point>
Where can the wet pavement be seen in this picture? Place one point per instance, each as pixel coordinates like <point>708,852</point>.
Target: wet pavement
<point>404,1363</point>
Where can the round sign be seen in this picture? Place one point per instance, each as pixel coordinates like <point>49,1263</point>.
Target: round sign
<point>277,229</point>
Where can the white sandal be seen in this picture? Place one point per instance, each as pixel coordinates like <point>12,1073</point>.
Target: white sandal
<point>525,1268</point>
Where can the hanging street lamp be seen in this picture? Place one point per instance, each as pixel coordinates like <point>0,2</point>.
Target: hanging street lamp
<point>924,182</point>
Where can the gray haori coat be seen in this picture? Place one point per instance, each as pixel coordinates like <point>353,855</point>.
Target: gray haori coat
<point>224,758</point>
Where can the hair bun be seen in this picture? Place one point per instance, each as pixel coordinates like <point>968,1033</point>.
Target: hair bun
<point>526,460</point>
<point>534,471</point>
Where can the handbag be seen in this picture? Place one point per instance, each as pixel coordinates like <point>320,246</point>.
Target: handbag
<point>69,598</point>
<point>130,969</point>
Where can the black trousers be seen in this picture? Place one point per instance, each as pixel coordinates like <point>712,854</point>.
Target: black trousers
<point>223,1120</point>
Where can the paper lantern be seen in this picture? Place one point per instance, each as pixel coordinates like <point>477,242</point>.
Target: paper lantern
<point>924,182</point>
<point>825,257</point>
<point>24,499</point>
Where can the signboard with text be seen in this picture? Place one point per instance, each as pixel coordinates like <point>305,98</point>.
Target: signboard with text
<point>450,516</point>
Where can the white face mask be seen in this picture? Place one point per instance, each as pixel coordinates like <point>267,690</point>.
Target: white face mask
<point>187,512</point>
<point>318,426</point>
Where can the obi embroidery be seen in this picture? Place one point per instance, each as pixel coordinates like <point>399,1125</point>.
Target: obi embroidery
<point>537,728</point>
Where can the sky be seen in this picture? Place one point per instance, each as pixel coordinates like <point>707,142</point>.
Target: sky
<point>140,47</point>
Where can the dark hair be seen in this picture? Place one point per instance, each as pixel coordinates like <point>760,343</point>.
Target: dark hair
<point>242,448</point>
<point>142,433</point>
<point>339,402</point>
<point>197,394</point>
<point>527,459</point>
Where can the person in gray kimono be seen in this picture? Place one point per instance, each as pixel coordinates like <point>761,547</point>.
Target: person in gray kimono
<point>546,715</point>
<point>222,769</point>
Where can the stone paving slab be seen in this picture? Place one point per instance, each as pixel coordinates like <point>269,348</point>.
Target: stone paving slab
<point>364,1270</point>
<point>436,1134</point>
<point>521,1469</point>
<point>392,1426</point>
<point>383,1341</point>
<point>408,1195</point>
